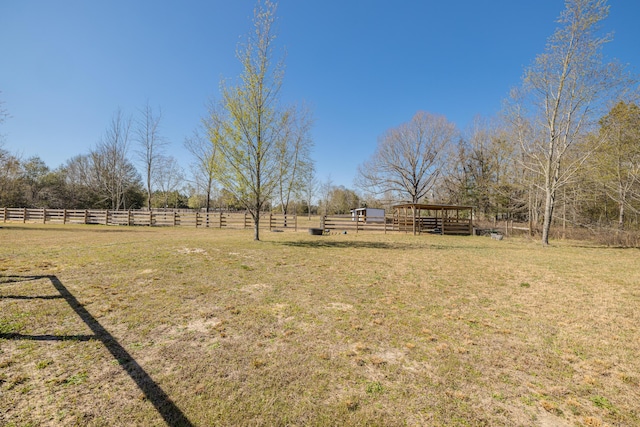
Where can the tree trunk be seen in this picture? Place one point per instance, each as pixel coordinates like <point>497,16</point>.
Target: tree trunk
<point>622,197</point>
<point>149,188</point>
<point>531,210</point>
<point>256,226</point>
<point>621,216</point>
<point>548,214</point>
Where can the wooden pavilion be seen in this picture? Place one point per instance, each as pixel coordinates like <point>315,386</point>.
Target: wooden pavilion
<point>431,218</point>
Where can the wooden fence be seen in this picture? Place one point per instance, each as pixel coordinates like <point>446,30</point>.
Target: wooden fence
<point>434,225</point>
<point>234,220</point>
<point>348,223</point>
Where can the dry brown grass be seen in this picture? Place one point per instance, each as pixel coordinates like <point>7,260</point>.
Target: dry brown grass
<point>366,329</point>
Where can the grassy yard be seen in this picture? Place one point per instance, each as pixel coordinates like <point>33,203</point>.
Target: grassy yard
<point>154,326</point>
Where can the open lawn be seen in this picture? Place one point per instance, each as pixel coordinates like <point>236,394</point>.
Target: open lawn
<point>152,326</point>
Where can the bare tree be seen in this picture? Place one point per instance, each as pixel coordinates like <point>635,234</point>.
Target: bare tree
<point>616,162</point>
<point>249,126</point>
<point>112,174</point>
<point>168,177</point>
<point>309,187</point>
<point>408,158</point>
<point>150,144</point>
<point>203,166</point>
<point>562,93</point>
<point>3,111</point>
<point>4,114</point>
<point>483,171</point>
<point>294,155</point>
<point>342,200</point>
<point>10,172</point>
<point>325,192</point>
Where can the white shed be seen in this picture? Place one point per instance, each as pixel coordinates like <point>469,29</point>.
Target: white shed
<point>368,215</point>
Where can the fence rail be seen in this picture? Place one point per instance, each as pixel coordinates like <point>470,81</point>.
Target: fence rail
<point>347,223</point>
<point>435,225</point>
<point>235,220</point>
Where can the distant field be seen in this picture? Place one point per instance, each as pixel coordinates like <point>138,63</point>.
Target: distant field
<point>143,326</point>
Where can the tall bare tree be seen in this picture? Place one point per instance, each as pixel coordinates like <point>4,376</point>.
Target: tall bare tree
<point>561,95</point>
<point>3,111</point>
<point>112,172</point>
<point>294,156</point>
<point>484,172</point>
<point>204,163</point>
<point>249,126</point>
<point>309,187</point>
<point>150,144</point>
<point>408,158</point>
<point>326,187</point>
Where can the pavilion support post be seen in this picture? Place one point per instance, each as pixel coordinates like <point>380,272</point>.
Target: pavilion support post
<point>413,215</point>
<point>470,222</point>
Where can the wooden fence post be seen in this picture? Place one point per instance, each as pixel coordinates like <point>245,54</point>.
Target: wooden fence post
<point>86,216</point>
<point>196,219</point>
<point>150,218</point>
<point>220,219</point>
<point>4,218</point>
<point>295,222</point>
<point>44,215</point>
<point>24,215</point>
<point>270,220</point>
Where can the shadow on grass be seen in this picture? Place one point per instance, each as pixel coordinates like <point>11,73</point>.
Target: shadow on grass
<point>171,414</point>
<point>322,243</point>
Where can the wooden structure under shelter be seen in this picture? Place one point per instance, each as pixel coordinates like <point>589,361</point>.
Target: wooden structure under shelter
<point>431,218</point>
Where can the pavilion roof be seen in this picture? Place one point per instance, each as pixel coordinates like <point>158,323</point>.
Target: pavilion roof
<point>423,206</point>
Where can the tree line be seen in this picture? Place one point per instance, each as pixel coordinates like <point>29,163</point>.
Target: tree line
<point>565,149</point>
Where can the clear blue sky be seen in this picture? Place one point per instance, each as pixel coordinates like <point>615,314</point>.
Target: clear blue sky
<point>363,66</point>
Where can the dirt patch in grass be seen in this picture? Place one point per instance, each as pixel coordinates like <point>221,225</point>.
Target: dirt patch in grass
<point>366,329</point>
